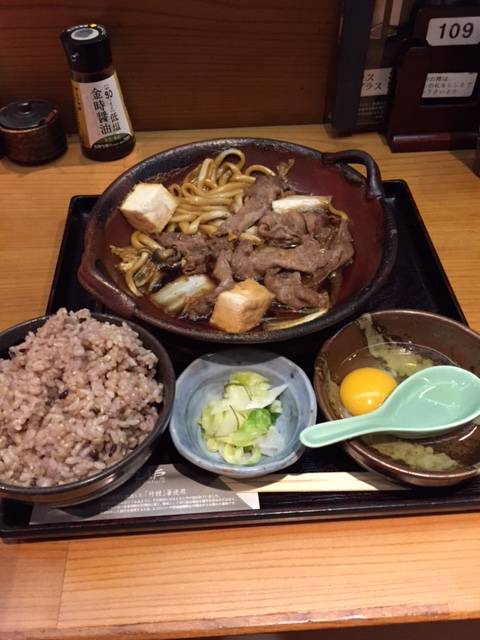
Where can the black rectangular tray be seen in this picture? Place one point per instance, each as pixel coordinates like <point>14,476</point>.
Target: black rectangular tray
<point>418,281</point>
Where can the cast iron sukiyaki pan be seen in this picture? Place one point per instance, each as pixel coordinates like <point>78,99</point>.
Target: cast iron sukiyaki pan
<point>371,224</point>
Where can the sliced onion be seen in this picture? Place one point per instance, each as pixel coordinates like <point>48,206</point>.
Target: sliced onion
<point>337,212</point>
<point>274,325</point>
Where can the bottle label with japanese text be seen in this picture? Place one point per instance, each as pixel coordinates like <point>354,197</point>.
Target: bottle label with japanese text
<point>102,117</point>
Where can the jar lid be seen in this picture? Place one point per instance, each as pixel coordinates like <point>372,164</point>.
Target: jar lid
<point>87,47</point>
<point>31,132</point>
<point>27,114</point>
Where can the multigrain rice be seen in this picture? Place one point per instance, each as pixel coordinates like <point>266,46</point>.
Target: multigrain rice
<point>75,397</point>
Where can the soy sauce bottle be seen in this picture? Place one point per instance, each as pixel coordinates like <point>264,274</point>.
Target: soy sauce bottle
<point>103,123</point>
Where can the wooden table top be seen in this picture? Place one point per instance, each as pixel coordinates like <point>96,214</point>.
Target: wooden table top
<point>245,580</point>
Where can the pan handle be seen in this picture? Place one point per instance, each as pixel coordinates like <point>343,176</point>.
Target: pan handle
<point>96,283</point>
<point>355,156</point>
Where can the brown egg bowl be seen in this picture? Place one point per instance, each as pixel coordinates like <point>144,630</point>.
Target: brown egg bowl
<point>455,341</point>
<point>371,223</point>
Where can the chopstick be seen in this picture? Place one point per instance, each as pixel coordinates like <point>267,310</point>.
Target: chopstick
<point>337,481</point>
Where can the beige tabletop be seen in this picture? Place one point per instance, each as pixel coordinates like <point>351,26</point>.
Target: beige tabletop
<point>244,580</point>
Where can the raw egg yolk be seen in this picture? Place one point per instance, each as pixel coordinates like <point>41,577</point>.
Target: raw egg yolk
<point>365,389</point>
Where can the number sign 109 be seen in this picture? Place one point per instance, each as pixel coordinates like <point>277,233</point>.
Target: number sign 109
<point>453,31</point>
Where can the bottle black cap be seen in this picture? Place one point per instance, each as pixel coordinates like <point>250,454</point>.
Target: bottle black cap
<point>87,47</point>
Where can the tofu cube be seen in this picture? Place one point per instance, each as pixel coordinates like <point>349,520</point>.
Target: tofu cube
<point>148,207</point>
<point>241,308</point>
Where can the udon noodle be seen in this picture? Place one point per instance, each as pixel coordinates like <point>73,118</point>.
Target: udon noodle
<point>211,192</point>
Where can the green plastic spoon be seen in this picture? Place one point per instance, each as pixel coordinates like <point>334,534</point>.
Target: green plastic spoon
<point>431,401</point>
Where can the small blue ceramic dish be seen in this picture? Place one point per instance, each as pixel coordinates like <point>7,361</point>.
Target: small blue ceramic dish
<point>203,381</point>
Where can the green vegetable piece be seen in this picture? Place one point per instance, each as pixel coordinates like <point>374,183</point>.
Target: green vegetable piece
<point>237,394</point>
<point>259,419</point>
<point>255,456</point>
<point>248,378</point>
<point>238,455</point>
<point>219,418</point>
<point>211,444</point>
<point>247,390</point>
<point>232,455</point>
<point>257,424</point>
<point>276,407</point>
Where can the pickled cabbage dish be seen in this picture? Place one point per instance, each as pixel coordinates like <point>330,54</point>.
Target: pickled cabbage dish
<point>240,426</point>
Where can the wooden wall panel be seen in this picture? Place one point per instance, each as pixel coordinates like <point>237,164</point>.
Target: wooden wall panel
<point>185,63</point>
